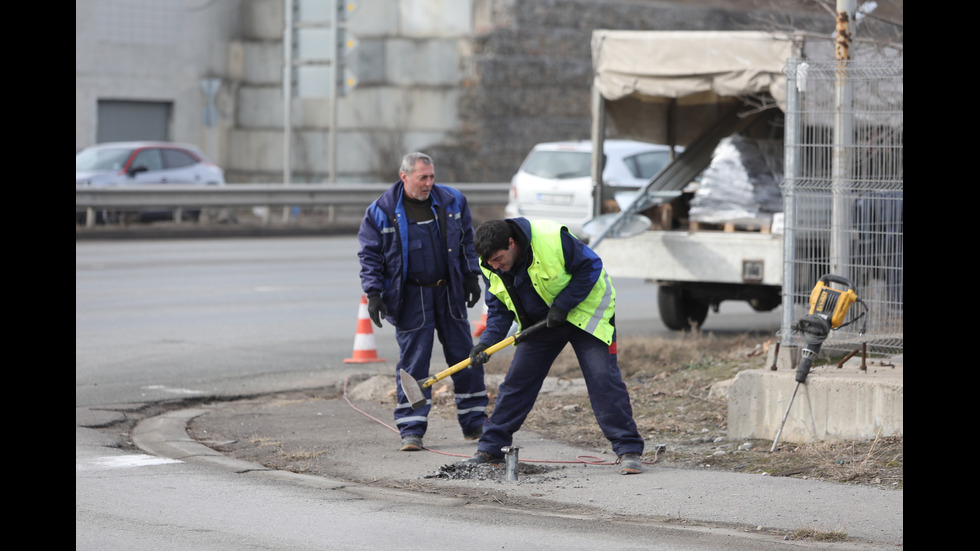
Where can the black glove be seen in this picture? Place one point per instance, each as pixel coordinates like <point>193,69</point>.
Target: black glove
<point>556,316</point>
<point>478,356</point>
<point>376,309</point>
<point>472,287</point>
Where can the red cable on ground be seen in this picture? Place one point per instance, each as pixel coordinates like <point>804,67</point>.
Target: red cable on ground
<point>578,459</point>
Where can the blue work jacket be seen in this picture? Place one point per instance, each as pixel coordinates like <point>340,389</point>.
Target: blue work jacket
<point>383,237</point>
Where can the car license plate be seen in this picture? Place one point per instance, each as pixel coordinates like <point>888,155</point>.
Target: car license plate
<point>555,198</point>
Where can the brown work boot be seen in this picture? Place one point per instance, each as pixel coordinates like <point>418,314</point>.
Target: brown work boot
<point>411,443</point>
<point>473,434</point>
<point>629,463</point>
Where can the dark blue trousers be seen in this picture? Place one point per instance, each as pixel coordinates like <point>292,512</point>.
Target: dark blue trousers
<point>425,313</point>
<point>532,361</point>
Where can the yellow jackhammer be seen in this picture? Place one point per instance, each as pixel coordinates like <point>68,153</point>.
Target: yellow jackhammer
<point>828,308</point>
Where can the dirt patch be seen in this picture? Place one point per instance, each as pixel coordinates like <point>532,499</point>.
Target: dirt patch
<point>527,473</point>
<point>675,386</point>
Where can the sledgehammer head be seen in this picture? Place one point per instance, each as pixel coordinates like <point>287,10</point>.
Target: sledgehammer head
<point>412,389</point>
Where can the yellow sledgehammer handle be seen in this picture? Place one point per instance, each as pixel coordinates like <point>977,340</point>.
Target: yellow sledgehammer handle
<point>516,337</point>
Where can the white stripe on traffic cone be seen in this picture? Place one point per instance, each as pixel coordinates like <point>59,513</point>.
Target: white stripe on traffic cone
<point>364,350</point>
<point>481,326</point>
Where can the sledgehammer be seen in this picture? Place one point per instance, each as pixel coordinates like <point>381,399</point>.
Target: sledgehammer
<point>413,389</point>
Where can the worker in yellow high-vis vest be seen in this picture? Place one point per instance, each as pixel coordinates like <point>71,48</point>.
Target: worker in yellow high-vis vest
<point>539,271</point>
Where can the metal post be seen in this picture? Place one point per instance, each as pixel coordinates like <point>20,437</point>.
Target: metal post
<point>287,96</point>
<point>795,85</point>
<point>333,96</point>
<point>287,90</point>
<point>843,142</point>
<point>598,146</point>
<point>510,452</point>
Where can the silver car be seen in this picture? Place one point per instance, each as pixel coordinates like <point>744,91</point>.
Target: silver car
<point>144,163</point>
<point>135,163</point>
<point>554,181</point>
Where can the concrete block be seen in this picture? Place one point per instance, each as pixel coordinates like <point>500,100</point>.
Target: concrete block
<point>431,62</point>
<point>786,358</point>
<point>374,18</point>
<point>260,108</point>
<point>263,19</point>
<point>834,404</point>
<point>256,150</point>
<point>425,18</point>
<point>400,109</point>
<point>262,62</point>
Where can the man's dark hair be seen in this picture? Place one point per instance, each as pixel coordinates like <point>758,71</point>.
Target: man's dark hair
<point>491,236</point>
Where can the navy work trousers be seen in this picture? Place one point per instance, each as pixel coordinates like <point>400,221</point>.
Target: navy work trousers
<point>532,361</point>
<point>425,312</point>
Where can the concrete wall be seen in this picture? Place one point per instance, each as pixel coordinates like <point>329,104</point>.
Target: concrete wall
<point>475,83</point>
<point>407,63</point>
<point>144,50</point>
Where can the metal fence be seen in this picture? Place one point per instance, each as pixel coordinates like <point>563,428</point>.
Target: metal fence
<point>843,191</point>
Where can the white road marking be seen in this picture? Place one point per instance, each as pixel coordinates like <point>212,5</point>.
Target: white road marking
<point>173,390</point>
<point>126,461</point>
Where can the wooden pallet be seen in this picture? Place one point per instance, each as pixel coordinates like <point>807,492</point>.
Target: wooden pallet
<point>760,226</point>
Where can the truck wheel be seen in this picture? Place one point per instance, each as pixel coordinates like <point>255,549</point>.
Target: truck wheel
<point>765,303</point>
<point>678,310</point>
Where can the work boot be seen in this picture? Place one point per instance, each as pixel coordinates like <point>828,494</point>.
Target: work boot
<point>473,434</point>
<point>629,463</point>
<point>411,443</point>
<point>484,457</point>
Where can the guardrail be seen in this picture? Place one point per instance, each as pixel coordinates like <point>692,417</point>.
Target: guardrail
<point>91,200</point>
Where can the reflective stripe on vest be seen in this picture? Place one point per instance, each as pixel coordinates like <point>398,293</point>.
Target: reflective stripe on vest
<point>549,277</point>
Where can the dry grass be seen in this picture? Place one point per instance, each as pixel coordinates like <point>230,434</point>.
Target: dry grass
<point>818,535</point>
<point>670,381</point>
<point>263,442</point>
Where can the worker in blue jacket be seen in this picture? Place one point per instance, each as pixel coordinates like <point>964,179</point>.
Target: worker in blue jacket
<point>538,271</point>
<point>420,272</point>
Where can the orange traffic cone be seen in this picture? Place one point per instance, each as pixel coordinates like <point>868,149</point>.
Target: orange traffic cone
<point>364,350</point>
<point>481,326</point>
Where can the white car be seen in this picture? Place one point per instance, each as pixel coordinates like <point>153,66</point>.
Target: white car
<point>135,163</point>
<point>554,181</point>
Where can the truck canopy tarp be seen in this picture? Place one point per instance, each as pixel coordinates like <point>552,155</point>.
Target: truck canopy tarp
<point>653,79</point>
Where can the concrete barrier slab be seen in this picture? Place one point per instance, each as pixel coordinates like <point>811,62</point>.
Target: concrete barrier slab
<point>847,403</point>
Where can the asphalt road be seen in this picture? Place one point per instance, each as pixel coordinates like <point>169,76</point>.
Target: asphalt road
<point>159,321</point>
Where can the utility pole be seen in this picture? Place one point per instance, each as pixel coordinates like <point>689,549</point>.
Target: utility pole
<point>343,80</point>
<point>315,46</point>
<point>842,165</point>
<point>287,89</point>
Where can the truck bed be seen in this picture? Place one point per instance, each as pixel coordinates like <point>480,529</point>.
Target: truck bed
<point>696,256</point>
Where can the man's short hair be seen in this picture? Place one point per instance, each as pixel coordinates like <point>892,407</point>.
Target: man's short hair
<point>491,236</point>
<point>409,160</point>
